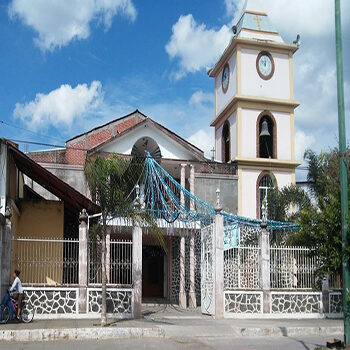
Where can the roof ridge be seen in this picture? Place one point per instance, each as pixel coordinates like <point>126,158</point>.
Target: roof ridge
<point>110,122</point>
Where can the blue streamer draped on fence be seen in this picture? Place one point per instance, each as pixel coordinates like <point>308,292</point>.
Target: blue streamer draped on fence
<point>167,199</point>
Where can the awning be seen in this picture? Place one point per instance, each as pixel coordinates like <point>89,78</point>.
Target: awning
<point>70,196</point>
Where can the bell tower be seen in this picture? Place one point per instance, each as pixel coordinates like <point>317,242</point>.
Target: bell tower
<point>254,109</point>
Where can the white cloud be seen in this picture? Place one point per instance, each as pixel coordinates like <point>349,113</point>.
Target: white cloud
<point>302,143</point>
<point>203,139</point>
<point>58,22</point>
<point>61,107</point>
<point>200,98</point>
<point>194,45</point>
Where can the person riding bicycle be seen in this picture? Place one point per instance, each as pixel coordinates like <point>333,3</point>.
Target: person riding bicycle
<point>16,290</point>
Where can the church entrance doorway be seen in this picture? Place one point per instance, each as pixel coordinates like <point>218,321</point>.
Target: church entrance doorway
<point>153,258</point>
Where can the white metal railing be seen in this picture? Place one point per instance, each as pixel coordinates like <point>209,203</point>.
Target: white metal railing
<point>46,261</point>
<point>119,262</point>
<point>292,268</point>
<point>241,268</point>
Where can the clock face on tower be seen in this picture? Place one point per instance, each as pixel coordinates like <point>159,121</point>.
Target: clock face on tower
<point>265,65</point>
<point>225,79</point>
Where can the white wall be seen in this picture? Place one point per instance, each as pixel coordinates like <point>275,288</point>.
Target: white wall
<point>168,147</point>
<point>222,99</point>
<point>252,85</point>
<point>248,185</point>
<point>248,195</point>
<point>284,142</point>
<point>249,119</point>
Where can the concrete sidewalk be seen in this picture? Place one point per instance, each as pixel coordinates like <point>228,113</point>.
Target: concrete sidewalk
<point>168,321</point>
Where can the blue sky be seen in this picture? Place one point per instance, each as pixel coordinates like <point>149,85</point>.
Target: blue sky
<point>69,65</point>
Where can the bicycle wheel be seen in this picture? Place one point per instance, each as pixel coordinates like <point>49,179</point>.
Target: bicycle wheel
<point>4,314</point>
<point>27,313</point>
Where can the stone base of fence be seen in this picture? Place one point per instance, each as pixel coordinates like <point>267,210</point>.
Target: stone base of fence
<point>61,302</point>
<point>284,304</point>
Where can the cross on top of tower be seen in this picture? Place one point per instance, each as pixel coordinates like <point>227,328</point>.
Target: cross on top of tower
<point>258,21</point>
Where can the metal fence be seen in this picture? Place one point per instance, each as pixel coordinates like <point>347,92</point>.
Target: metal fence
<point>292,268</point>
<point>46,261</point>
<point>51,261</point>
<point>241,268</point>
<point>119,262</point>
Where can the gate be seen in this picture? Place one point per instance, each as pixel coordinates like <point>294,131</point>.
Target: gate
<point>207,270</point>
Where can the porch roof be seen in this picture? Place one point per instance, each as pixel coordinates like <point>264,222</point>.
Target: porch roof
<point>70,196</point>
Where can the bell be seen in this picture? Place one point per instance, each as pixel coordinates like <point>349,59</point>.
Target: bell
<point>264,129</point>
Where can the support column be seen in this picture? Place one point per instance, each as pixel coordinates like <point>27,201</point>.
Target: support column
<point>182,292</point>
<point>192,296</point>
<point>325,295</point>
<point>137,269</point>
<point>5,257</point>
<point>83,258</point>
<point>264,262</point>
<point>218,251</point>
<point>108,256</point>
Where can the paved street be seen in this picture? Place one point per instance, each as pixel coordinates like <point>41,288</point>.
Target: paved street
<point>202,343</point>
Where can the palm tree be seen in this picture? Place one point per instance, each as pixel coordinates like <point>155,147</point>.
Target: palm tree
<point>111,182</point>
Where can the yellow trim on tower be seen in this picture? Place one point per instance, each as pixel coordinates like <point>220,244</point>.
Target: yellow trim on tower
<point>293,178</point>
<point>291,79</point>
<point>292,136</point>
<point>256,13</point>
<point>238,70</point>
<point>215,96</point>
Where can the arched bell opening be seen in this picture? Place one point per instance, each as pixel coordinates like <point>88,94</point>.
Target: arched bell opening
<point>266,136</point>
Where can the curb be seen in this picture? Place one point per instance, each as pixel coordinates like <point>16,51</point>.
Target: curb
<point>80,334</point>
<point>287,331</point>
<point>27,335</point>
<point>231,331</point>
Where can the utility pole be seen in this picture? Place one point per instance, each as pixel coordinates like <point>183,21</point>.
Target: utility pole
<point>343,172</point>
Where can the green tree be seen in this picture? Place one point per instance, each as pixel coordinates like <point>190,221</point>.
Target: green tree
<point>317,214</point>
<point>111,182</point>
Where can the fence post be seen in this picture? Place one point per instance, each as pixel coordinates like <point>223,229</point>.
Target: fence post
<point>137,260</point>
<point>182,257</point>
<point>325,295</point>
<point>264,262</point>
<point>218,251</point>
<point>137,269</point>
<point>83,259</point>
<point>108,256</point>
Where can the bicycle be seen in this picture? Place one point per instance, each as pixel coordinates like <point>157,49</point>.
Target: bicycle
<point>26,315</point>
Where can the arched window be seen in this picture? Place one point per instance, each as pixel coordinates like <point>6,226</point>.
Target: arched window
<point>146,144</point>
<point>226,143</point>
<point>266,136</point>
<point>266,181</point>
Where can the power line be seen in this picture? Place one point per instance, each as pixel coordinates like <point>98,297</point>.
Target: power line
<point>30,131</point>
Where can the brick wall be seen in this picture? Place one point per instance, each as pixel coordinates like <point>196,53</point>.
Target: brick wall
<point>75,152</point>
